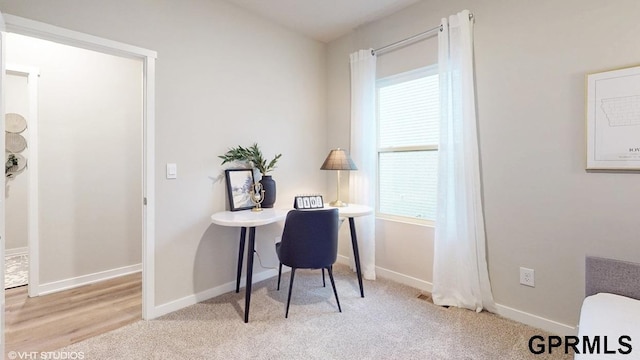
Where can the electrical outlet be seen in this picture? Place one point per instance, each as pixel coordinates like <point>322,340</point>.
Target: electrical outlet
<point>527,277</point>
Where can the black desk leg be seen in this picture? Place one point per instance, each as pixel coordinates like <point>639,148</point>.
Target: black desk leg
<point>356,253</point>
<point>250,250</point>
<point>243,232</point>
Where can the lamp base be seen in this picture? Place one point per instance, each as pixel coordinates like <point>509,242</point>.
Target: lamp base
<point>338,203</point>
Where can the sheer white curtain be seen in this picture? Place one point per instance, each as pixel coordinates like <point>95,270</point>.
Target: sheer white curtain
<point>460,273</point>
<point>362,182</point>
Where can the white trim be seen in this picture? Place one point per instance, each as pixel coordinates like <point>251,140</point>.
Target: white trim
<point>19,25</point>
<point>536,321</point>
<point>414,74</point>
<point>33,219</point>
<point>75,282</point>
<point>2,182</point>
<point>404,279</point>
<point>22,69</point>
<point>394,276</point>
<point>68,37</point>
<point>16,251</point>
<point>189,300</point>
<point>33,232</point>
<point>148,191</point>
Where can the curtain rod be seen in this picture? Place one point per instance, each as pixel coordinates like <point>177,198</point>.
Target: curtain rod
<point>410,39</point>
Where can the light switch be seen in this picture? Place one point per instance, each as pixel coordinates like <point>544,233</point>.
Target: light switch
<point>172,171</point>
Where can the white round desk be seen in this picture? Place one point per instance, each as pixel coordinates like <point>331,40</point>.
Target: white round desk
<point>247,219</point>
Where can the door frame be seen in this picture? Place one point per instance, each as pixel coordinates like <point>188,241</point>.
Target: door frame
<point>22,26</point>
<point>2,182</point>
<point>31,73</point>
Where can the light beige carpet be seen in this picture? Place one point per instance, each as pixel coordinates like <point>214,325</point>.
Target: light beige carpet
<point>389,323</point>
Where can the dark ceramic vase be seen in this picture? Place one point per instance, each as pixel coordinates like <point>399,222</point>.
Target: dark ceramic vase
<point>269,186</point>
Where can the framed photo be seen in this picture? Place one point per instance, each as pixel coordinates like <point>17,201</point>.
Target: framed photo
<point>239,184</point>
<point>308,202</point>
<point>613,119</point>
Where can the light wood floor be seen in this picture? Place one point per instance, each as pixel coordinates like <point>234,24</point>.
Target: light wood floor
<point>52,321</point>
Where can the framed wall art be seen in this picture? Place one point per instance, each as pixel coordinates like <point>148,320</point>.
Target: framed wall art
<point>613,119</point>
<point>239,184</point>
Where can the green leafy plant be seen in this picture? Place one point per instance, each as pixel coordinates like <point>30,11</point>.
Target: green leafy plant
<point>252,155</point>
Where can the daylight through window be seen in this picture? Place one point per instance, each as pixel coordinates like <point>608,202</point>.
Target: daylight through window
<point>408,108</point>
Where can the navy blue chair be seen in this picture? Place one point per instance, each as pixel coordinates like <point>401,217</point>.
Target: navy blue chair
<point>309,241</point>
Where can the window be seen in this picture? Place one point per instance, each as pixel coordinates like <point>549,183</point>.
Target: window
<point>408,121</point>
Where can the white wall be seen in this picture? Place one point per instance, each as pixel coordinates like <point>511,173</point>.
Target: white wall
<point>17,101</point>
<point>224,77</point>
<point>542,209</point>
<point>90,151</point>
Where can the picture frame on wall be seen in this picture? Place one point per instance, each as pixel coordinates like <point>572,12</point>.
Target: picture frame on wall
<point>613,119</point>
<point>239,184</point>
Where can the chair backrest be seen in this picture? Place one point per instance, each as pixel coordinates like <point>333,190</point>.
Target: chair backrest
<point>310,239</point>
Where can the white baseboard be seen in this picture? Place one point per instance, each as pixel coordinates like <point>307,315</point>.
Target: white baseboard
<point>71,283</point>
<point>343,260</point>
<point>16,251</point>
<point>181,303</point>
<point>536,321</point>
<point>404,279</point>
<point>395,276</point>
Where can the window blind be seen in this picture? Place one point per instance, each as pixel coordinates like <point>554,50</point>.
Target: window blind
<point>408,123</point>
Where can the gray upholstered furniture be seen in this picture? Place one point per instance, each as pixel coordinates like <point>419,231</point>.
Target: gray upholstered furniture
<point>612,276</point>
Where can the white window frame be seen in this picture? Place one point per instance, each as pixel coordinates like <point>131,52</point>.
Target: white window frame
<point>387,81</point>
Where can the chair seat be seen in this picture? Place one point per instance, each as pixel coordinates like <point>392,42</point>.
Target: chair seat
<point>309,241</point>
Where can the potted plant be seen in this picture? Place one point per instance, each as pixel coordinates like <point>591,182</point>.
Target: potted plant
<point>252,155</point>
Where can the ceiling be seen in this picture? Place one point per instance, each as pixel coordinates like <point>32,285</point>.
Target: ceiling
<point>323,20</point>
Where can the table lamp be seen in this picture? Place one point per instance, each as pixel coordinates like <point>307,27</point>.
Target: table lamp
<point>338,159</point>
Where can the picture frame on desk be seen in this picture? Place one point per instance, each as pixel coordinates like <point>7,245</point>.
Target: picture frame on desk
<point>308,202</point>
<point>239,184</point>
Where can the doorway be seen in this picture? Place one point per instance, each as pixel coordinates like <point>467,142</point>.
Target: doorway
<point>63,36</point>
<point>21,85</point>
<point>89,167</point>
<point>89,183</point>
